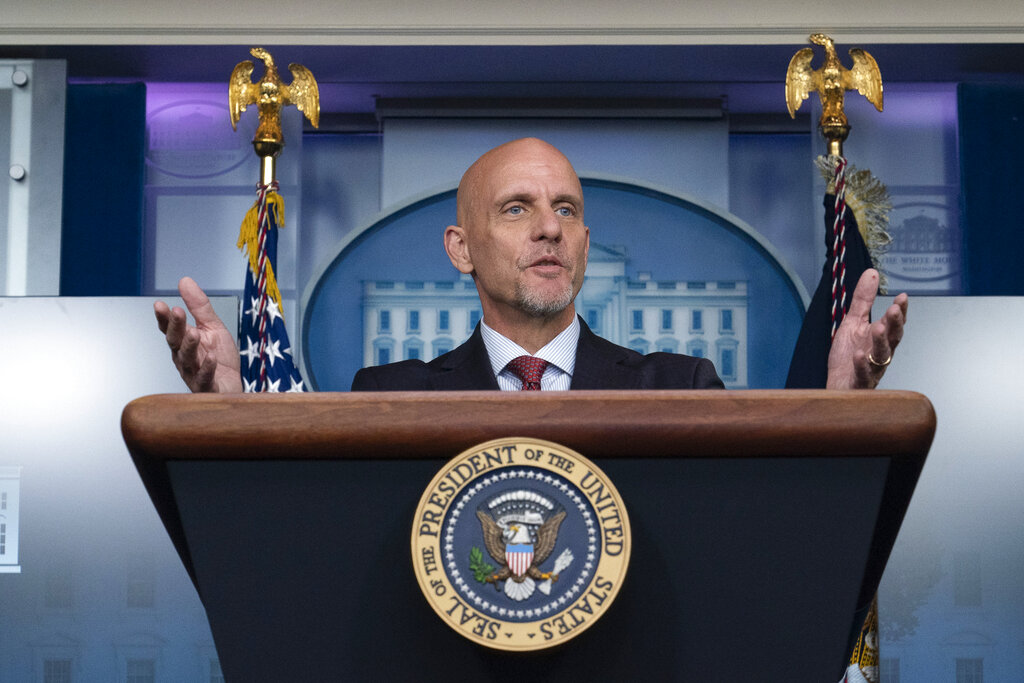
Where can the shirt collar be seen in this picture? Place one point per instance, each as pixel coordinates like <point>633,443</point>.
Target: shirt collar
<point>560,351</point>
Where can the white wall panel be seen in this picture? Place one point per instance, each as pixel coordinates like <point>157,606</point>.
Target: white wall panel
<point>85,518</point>
<point>953,585</point>
<point>32,96</point>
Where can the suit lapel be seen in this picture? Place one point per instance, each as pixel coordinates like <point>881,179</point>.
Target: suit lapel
<point>467,368</point>
<point>599,364</point>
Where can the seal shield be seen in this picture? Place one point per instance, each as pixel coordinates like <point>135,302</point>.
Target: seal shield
<point>520,544</point>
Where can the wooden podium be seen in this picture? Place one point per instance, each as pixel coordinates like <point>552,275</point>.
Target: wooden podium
<point>761,523</point>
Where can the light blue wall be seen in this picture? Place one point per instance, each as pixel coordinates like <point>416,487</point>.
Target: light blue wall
<point>768,180</point>
<point>689,156</point>
<point>340,190</point>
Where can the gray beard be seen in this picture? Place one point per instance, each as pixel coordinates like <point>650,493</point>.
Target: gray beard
<point>537,306</point>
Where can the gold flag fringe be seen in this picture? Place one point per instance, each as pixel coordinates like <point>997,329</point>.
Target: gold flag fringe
<point>868,198</point>
<point>865,659</point>
<point>248,242</point>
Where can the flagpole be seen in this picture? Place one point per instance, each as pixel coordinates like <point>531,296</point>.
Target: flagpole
<point>267,149</point>
<point>268,167</point>
<point>831,81</point>
<point>263,339</point>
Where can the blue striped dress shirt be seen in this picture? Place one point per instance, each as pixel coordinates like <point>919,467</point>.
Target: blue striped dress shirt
<point>560,353</point>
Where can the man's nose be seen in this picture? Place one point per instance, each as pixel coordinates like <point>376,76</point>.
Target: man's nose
<point>549,226</point>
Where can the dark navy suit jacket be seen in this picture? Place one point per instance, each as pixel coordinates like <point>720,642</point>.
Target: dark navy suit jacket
<point>599,365</point>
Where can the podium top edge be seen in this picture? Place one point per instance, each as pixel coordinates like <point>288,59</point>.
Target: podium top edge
<point>411,425</point>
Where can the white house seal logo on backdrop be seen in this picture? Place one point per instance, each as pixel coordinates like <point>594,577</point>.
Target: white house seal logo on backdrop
<point>520,544</point>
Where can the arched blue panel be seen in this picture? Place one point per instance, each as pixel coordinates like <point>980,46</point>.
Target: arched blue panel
<point>674,239</point>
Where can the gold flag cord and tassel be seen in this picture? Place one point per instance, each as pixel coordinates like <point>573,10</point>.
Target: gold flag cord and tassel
<point>249,237</point>
<point>864,660</point>
<point>868,198</point>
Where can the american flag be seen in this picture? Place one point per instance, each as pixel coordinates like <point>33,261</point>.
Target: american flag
<point>267,364</point>
<point>849,256</point>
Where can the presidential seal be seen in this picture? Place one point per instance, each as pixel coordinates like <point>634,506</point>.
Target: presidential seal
<point>520,544</point>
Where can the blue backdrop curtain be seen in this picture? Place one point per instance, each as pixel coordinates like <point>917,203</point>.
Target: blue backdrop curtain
<point>991,139</point>
<point>104,172</point>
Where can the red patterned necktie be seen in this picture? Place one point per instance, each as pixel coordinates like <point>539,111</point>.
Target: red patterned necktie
<point>528,369</point>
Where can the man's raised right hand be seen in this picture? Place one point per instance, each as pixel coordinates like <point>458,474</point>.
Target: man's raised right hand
<point>205,355</point>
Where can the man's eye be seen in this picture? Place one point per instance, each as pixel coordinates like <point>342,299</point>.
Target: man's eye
<point>564,211</point>
<point>515,210</point>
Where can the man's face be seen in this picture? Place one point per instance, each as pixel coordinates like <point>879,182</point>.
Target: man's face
<point>521,232</point>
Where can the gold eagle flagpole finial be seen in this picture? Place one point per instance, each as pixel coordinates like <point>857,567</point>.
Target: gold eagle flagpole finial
<point>831,82</point>
<point>270,95</point>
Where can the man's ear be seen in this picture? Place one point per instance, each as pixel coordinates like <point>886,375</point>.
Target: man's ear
<point>457,248</point>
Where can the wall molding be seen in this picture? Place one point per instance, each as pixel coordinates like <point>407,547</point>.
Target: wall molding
<point>321,34</point>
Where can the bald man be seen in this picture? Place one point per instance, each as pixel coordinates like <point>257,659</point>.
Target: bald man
<point>520,234</point>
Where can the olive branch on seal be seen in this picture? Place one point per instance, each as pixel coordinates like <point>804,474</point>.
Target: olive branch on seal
<point>481,570</point>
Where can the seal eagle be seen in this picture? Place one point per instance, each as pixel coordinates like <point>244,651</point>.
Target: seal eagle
<point>520,585</point>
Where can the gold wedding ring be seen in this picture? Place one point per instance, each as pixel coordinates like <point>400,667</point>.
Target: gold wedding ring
<point>874,362</point>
